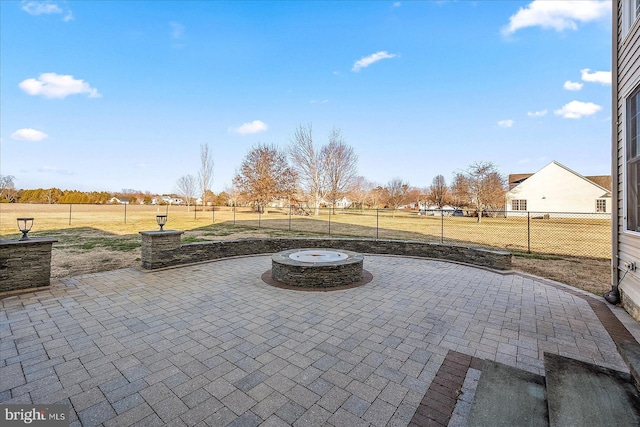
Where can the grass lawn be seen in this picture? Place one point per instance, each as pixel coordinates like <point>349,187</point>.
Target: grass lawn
<point>575,251</point>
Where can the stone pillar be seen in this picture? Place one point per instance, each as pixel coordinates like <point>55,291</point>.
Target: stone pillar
<point>159,248</point>
<point>25,264</point>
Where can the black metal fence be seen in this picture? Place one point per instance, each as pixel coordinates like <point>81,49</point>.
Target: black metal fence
<point>562,233</point>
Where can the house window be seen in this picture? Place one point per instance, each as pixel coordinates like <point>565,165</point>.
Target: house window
<point>519,205</point>
<point>601,205</point>
<point>630,12</point>
<point>633,160</point>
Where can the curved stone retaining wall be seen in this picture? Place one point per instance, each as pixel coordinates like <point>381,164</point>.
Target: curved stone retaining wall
<point>163,249</point>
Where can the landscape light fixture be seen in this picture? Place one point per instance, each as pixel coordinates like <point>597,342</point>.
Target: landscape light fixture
<point>24,225</point>
<point>162,220</point>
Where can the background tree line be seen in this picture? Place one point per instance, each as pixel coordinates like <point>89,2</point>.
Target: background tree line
<point>303,174</point>
<point>311,176</point>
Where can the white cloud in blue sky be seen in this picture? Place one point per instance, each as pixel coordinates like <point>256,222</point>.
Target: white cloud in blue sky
<point>602,77</point>
<point>36,8</point>
<point>416,90</point>
<point>541,113</point>
<point>577,109</point>
<point>255,126</point>
<point>28,134</point>
<point>569,85</point>
<point>557,15</point>
<point>371,59</point>
<point>177,30</point>
<point>506,123</point>
<point>52,85</point>
<point>54,170</point>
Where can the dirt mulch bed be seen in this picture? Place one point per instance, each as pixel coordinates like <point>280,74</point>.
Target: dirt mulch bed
<point>68,259</point>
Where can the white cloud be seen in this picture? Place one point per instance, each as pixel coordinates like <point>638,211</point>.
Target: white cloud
<point>54,170</point>
<point>255,126</point>
<point>558,15</point>
<point>315,101</point>
<point>177,30</point>
<point>40,7</point>
<point>577,109</point>
<point>368,60</point>
<point>47,7</point>
<point>52,85</point>
<point>602,77</point>
<point>506,123</point>
<point>537,113</point>
<point>397,4</point>
<point>569,85</point>
<point>28,135</point>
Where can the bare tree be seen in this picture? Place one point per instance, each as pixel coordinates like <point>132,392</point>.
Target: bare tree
<point>233,194</point>
<point>486,187</point>
<point>340,163</point>
<point>439,193</point>
<point>205,175</point>
<point>308,164</point>
<point>359,190</point>
<point>265,175</point>
<point>187,187</point>
<point>460,191</point>
<point>377,195</point>
<point>6,185</point>
<point>396,193</point>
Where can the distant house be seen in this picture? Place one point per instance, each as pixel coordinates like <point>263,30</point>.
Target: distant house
<point>166,200</point>
<point>342,203</point>
<point>119,200</point>
<point>556,188</point>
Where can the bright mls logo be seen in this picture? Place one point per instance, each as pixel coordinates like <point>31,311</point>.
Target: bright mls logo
<point>35,415</point>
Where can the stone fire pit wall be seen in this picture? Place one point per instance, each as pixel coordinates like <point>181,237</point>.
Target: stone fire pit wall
<point>25,263</point>
<point>163,249</point>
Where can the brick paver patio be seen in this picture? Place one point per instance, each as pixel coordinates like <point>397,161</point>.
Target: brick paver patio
<point>213,345</point>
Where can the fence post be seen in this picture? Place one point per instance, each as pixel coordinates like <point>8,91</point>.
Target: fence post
<point>329,222</point>
<point>377,223</point>
<point>70,213</point>
<point>441,226</point>
<point>125,213</point>
<point>259,216</point>
<point>213,213</point>
<point>289,217</point>
<point>528,232</point>
<point>234,214</point>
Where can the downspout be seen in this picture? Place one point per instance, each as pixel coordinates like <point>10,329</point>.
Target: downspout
<point>613,296</point>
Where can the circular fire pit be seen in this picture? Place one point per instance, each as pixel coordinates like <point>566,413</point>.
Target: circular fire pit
<point>317,268</point>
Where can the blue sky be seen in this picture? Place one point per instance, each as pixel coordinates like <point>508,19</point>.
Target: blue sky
<point>106,95</point>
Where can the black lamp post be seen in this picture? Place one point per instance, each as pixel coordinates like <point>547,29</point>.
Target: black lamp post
<point>25,225</point>
<point>162,220</point>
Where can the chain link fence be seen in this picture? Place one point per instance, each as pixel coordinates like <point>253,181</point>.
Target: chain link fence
<point>561,233</point>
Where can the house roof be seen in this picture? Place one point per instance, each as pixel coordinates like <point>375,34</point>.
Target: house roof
<point>603,181</point>
<point>517,178</point>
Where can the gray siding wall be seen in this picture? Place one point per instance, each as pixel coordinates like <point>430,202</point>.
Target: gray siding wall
<point>626,73</point>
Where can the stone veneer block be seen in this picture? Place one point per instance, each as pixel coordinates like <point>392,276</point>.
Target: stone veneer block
<point>316,274</point>
<point>25,264</point>
<point>160,248</point>
<point>164,250</point>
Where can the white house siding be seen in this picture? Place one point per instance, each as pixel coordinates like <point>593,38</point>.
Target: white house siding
<point>626,75</point>
<point>556,188</point>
